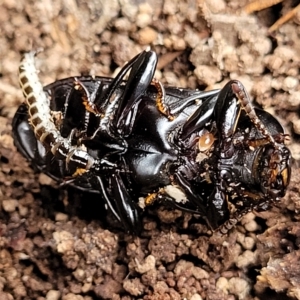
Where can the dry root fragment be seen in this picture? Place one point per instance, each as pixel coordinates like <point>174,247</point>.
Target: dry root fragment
<point>260,5</point>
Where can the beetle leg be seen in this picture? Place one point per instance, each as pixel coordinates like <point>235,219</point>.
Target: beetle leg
<point>200,117</point>
<point>226,108</point>
<point>122,106</point>
<point>163,196</point>
<point>127,209</point>
<point>195,97</point>
<point>216,211</point>
<point>134,63</point>
<point>232,99</point>
<point>227,112</point>
<point>88,100</point>
<point>142,68</point>
<point>122,206</point>
<point>106,198</point>
<point>140,77</point>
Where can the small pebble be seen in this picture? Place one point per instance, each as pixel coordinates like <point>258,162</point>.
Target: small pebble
<point>86,287</point>
<point>199,273</point>
<point>79,274</point>
<point>147,36</point>
<point>239,287</point>
<point>208,74</point>
<point>296,126</point>
<point>122,25</point>
<point>23,210</point>
<point>72,296</point>
<point>196,297</point>
<point>149,264</point>
<point>143,20</point>
<point>222,284</point>
<point>60,217</point>
<point>252,226</point>
<point>246,241</point>
<point>286,53</point>
<point>53,295</point>
<point>44,179</point>
<point>290,83</point>
<point>64,240</point>
<point>216,6</point>
<point>245,259</point>
<point>10,205</point>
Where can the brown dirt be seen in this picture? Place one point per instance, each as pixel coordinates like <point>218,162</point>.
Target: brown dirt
<point>53,242</point>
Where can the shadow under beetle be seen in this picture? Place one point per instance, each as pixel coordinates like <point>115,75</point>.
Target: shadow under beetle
<point>208,153</point>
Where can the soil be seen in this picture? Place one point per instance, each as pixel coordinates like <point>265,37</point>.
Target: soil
<point>58,243</point>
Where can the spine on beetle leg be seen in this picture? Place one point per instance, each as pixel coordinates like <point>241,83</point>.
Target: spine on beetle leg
<point>41,120</point>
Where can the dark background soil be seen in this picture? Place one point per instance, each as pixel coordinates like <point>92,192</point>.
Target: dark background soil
<point>58,243</point>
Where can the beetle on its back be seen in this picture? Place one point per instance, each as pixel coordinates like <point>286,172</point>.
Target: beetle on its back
<point>209,153</point>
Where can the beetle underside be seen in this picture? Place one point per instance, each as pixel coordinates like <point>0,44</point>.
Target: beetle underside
<point>209,153</point>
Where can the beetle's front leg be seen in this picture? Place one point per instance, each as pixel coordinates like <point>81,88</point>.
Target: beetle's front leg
<point>227,112</point>
<point>140,77</point>
<point>226,116</point>
<point>231,100</point>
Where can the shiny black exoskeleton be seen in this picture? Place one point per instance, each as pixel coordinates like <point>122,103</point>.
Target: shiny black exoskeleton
<point>209,153</point>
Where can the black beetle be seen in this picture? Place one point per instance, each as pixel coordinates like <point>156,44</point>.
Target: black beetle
<point>209,153</point>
